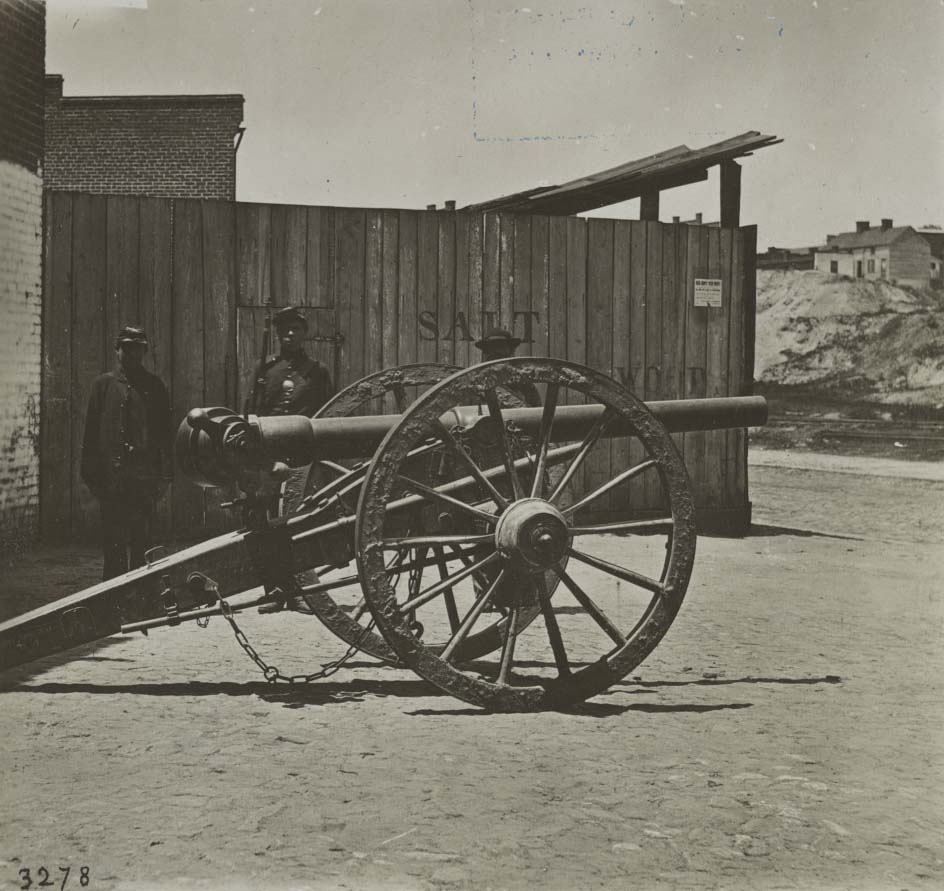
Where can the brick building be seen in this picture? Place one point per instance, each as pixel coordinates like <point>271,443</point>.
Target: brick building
<point>170,146</point>
<point>22,60</point>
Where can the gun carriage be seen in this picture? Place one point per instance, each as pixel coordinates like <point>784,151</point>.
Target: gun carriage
<point>446,538</point>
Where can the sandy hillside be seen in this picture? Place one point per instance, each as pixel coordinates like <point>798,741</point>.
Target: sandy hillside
<point>864,338</point>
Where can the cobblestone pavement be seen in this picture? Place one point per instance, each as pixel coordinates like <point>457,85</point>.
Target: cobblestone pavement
<point>787,733</point>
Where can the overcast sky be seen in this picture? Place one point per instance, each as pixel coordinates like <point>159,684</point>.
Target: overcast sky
<point>402,104</point>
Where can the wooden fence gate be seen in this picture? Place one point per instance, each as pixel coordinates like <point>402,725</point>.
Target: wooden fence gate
<point>397,286</point>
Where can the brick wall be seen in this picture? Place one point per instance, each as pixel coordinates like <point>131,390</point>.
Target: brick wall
<point>168,146</point>
<point>22,53</point>
<point>22,60</point>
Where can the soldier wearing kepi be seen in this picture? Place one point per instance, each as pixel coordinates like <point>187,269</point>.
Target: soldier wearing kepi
<point>126,452</point>
<point>500,343</point>
<point>291,383</point>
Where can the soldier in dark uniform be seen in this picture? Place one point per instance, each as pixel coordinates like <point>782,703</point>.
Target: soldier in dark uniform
<point>499,343</point>
<point>291,383</point>
<point>126,452</point>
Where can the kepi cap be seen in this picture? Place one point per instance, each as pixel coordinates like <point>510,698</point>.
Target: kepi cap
<point>287,315</point>
<point>130,334</point>
<point>498,335</point>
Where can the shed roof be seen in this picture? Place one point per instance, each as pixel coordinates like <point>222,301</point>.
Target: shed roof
<point>673,167</point>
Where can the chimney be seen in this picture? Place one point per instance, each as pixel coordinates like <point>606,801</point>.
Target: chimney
<point>698,218</point>
<point>53,86</point>
<point>886,223</point>
<point>450,205</point>
<point>676,219</point>
<point>430,206</point>
<point>862,225</point>
<point>830,238</point>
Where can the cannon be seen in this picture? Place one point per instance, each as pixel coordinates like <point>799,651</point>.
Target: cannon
<point>446,537</point>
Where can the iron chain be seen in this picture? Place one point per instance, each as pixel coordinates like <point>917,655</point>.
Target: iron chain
<point>271,672</point>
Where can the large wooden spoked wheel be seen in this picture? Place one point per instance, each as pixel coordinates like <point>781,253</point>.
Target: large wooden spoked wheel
<point>343,609</point>
<point>617,597</point>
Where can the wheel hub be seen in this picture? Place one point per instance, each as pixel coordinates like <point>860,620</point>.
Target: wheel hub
<point>532,534</point>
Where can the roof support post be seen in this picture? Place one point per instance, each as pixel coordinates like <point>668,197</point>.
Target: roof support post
<point>730,194</point>
<point>649,205</point>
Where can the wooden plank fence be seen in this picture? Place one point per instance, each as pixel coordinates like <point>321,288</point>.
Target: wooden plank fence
<point>398,286</point>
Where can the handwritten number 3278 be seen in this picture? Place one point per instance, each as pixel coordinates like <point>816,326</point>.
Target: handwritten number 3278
<point>43,880</point>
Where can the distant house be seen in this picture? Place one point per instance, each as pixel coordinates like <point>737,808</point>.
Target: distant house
<point>787,258</point>
<point>895,253</point>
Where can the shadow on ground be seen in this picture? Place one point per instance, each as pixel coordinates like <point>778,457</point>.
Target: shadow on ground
<point>337,693</point>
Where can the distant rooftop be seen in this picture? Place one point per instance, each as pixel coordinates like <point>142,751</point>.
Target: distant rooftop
<point>865,236</point>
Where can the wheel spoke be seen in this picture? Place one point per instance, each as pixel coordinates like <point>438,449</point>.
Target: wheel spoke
<point>467,558</point>
<point>627,575</point>
<point>553,629</point>
<point>592,609</point>
<point>400,397</point>
<point>350,482</point>
<point>400,568</point>
<point>547,420</point>
<point>449,597</point>
<point>554,457</point>
<point>617,480</point>
<point>494,410</point>
<point>466,459</point>
<point>663,524</point>
<point>443,584</point>
<point>589,441</point>
<point>397,544</point>
<point>434,495</point>
<point>339,469</point>
<point>508,646</point>
<point>415,582</point>
<point>471,617</point>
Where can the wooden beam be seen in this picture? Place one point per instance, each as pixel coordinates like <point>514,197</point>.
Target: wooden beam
<point>607,194</point>
<point>730,194</point>
<point>649,206</point>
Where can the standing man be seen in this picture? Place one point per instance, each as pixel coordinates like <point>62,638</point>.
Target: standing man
<point>499,343</point>
<point>291,383</point>
<point>126,452</point>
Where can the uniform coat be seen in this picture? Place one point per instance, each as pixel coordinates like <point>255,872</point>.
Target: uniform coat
<point>126,461</point>
<point>297,385</point>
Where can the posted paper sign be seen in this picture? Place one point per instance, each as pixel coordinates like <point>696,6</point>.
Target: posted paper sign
<point>707,292</point>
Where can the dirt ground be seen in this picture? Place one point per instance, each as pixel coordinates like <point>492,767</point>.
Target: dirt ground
<point>787,734</point>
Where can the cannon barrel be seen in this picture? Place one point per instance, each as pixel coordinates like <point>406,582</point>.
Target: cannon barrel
<point>213,444</point>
